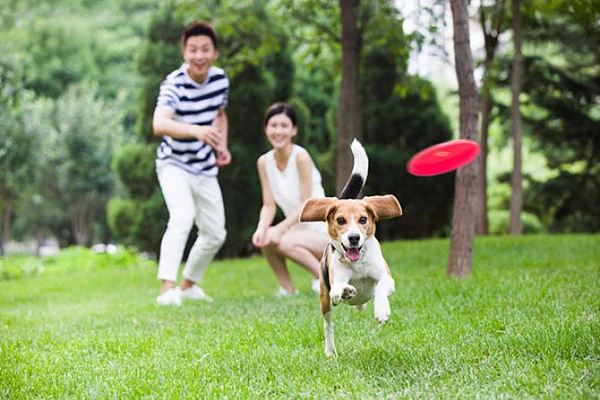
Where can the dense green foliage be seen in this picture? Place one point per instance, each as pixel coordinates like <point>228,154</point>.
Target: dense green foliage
<point>79,79</point>
<point>85,140</point>
<point>159,55</point>
<point>21,139</point>
<point>561,111</point>
<point>524,326</point>
<point>402,115</point>
<point>76,91</point>
<point>258,82</point>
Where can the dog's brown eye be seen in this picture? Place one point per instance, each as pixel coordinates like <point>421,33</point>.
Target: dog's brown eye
<point>341,221</point>
<point>362,220</point>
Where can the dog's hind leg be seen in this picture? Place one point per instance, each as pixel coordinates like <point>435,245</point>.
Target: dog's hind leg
<point>325,301</point>
<point>330,350</point>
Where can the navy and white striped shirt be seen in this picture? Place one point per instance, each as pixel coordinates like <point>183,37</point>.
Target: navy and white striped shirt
<point>197,104</point>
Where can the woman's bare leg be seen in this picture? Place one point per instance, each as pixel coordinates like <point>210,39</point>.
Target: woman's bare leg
<point>279,266</point>
<point>305,248</point>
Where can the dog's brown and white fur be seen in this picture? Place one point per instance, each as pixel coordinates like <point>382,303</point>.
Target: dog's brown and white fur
<point>353,269</point>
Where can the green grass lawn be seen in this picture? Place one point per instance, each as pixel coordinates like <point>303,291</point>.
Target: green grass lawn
<point>525,325</point>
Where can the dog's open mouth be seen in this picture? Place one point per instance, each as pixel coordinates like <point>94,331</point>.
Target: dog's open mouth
<point>352,253</point>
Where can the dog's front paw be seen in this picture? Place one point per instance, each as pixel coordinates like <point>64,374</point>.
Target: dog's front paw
<point>342,293</point>
<point>382,310</point>
<point>348,292</point>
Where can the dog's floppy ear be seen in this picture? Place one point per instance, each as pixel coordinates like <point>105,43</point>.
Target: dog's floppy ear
<point>384,207</point>
<point>316,209</point>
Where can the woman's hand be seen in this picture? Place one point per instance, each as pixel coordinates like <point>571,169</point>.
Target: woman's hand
<point>274,234</point>
<point>264,237</point>
<point>259,238</point>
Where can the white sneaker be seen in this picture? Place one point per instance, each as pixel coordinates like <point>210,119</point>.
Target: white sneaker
<point>171,297</point>
<point>195,293</point>
<point>284,293</point>
<point>316,285</point>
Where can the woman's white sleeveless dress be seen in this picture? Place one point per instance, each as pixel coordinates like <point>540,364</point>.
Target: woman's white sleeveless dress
<point>285,186</point>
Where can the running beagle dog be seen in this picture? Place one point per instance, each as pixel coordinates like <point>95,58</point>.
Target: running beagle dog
<point>353,269</point>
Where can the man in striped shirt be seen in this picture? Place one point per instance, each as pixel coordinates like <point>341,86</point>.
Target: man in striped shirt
<point>190,116</point>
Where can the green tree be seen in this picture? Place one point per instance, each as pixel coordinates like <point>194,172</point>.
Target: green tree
<point>492,19</point>
<point>40,194</point>
<point>257,58</point>
<point>400,114</point>
<point>59,54</point>
<point>19,146</point>
<point>561,113</point>
<point>137,215</point>
<point>160,54</point>
<point>62,43</point>
<point>260,69</point>
<point>85,180</point>
<point>396,127</point>
<point>349,115</point>
<point>516,181</point>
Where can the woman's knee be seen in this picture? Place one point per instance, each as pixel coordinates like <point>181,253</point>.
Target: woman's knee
<point>287,246</point>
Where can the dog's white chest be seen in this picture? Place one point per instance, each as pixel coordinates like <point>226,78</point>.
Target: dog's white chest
<point>363,276</point>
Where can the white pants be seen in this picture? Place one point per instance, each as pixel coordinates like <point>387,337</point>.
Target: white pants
<point>190,198</point>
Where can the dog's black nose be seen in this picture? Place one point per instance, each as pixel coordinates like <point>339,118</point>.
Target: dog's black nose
<point>353,239</point>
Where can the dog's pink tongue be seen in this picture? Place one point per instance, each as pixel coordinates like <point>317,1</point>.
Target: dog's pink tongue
<point>353,254</point>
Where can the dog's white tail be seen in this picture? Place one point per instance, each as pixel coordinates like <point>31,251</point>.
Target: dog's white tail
<point>359,172</point>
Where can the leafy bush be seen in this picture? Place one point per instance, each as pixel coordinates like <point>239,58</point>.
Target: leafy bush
<point>121,216</point>
<point>134,164</point>
<point>71,259</point>
<point>150,222</point>
<point>19,266</point>
<point>77,258</point>
<point>499,221</point>
<point>569,202</point>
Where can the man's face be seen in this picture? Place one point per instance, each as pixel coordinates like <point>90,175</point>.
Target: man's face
<point>200,53</point>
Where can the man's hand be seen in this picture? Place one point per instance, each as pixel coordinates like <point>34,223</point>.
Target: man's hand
<point>210,135</point>
<point>223,157</point>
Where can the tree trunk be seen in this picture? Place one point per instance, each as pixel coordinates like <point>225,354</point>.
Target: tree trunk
<point>516,197</point>
<point>465,199</point>
<point>81,223</point>
<point>492,29</point>
<point>39,240</point>
<point>482,225</point>
<point>4,234</point>
<point>348,118</point>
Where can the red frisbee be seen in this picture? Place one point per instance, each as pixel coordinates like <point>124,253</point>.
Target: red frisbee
<point>443,157</point>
